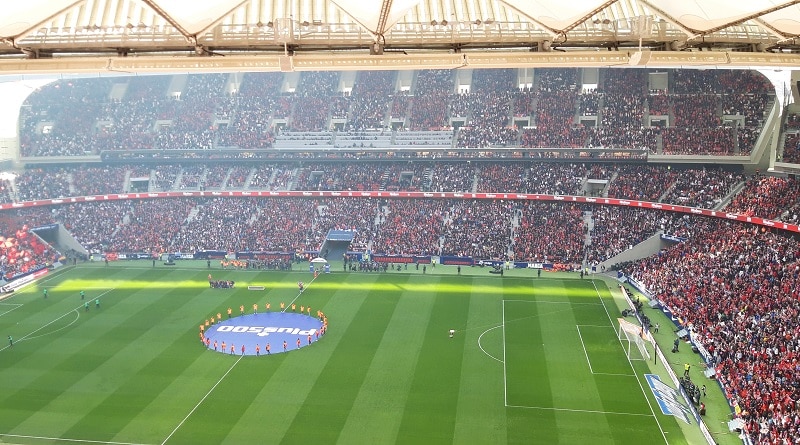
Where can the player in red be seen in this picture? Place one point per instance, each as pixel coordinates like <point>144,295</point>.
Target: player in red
<point>267,348</point>
<point>309,338</point>
<point>258,349</point>
<point>223,346</point>
<point>215,345</point>
<point>300,286</point>
<point>208,342</point>
<point>242,349</point>
<point>284,346</point>
<point>233,348</point>
<point>298,342</point>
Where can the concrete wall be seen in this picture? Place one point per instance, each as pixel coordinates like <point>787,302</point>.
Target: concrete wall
<point>644,249</point>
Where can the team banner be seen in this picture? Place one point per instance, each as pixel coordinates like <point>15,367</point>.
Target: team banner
<point>249,255</point>
<point>401,259</point>
<point>457,260</point>
<point>414,195</point>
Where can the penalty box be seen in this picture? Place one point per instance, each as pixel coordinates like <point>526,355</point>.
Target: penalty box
<point>562,355</point>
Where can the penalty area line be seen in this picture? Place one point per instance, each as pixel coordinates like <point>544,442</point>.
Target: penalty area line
<point>203,399</point>
<point>591,411</point>
<point>481,346</point>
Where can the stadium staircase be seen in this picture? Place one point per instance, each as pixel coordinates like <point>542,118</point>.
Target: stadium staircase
<point>604,194</point>
<point>176,185</point>
<point>249,178</point>
<point>225,181</point>
<point>193,213</point>
<point>71,184</point>
<point>667,191</point>
<point>126,183</point>
<point>384,180</point>
<point>729,197</point>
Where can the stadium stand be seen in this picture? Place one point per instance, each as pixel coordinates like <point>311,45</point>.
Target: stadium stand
<point>726,280</point>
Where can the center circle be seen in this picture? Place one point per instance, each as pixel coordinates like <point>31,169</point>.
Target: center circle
<point>271,332</point>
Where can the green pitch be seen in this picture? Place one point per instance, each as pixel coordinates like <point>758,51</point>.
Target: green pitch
<point>533,361</point>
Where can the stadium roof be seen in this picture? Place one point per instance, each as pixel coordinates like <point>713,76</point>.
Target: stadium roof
<point>44,29</point>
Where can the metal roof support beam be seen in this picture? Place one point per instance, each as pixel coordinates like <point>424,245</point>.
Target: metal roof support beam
<point>189,37</point>
<point>749,17</point>
<point>588,15</point>
<point>36,26</point>
<point>773,30</point>
<point>220,18</point>
<point>386,7</point>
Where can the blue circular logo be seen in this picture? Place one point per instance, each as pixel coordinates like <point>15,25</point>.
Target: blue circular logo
<point>263,334</point>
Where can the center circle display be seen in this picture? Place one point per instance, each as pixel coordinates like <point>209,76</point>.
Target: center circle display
<point>264,333</point>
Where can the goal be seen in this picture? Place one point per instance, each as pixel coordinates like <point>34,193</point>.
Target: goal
<point>630,336</point>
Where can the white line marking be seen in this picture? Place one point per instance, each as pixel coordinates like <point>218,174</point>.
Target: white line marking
<point>61,439</point>
<point>556,302</point>
<point>204,398</point>
<point>583,345</point>
<point>614,374</point>
<point>481,346</point>
<point>660,428</point>
<point>48,324</point>
<point>299,294</point>
<point>505,377</point>
<point>579,410</point>
<point>77,316</point>
<point>16,306</point>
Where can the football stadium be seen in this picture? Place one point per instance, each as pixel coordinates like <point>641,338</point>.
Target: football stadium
<point>420,222</point>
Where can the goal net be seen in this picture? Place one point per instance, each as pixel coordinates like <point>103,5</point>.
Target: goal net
<point>630,336</point>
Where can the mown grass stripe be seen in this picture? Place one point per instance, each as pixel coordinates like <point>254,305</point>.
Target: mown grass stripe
<point>96,370</point>
<point>281,394</point>
<point>481,414</point>
<point>431,408</point>
<point>382,396</point>
<point>336,388</point>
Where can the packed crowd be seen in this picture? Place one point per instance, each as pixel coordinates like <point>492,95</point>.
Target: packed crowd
<point>704,187</point>
<point>410,227</point>
<point>21,251</point>
<point>766,196</point>
<point>477,229</point>
<point>230,111</point>
<point>371,97</point>
<point>549,233</point>
<point>642,182</point>
<point>737,289</point>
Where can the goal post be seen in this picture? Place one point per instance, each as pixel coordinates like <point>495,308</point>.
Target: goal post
<point>630,336</point>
